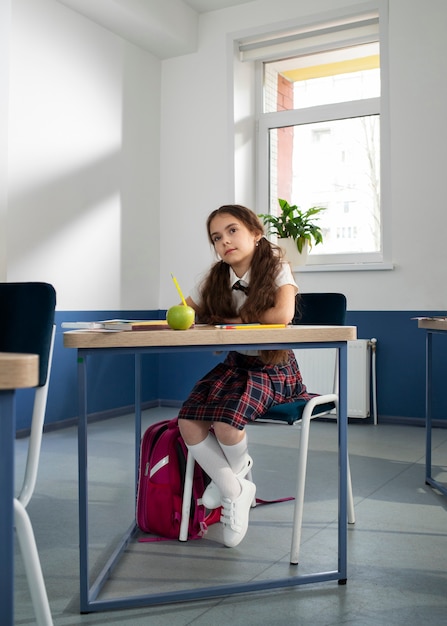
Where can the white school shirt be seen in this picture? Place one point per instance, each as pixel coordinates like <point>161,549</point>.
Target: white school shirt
<point>284,277</point>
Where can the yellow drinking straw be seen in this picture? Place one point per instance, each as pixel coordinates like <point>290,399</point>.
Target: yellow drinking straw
<point>182,297</point>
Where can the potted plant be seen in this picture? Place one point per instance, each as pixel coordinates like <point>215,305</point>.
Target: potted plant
<point>296,229</point>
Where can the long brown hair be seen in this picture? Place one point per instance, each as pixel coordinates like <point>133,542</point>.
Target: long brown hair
<point>217,302</point>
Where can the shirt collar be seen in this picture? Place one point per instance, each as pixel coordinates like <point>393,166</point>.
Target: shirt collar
<point>245,280</point>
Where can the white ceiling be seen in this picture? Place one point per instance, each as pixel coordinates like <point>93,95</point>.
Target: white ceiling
<point>165,29</point>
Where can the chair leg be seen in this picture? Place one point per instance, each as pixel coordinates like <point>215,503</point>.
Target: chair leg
<point>187,495</point>
<point>350,498</point>
<point>299,504</point>
<point>31,562</point>
<point>351,511</point>
<point>35,440</point>
<point>300,487</point>
<point>301,479</point>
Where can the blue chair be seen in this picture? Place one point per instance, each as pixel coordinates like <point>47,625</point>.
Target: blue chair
<point>27,326</point>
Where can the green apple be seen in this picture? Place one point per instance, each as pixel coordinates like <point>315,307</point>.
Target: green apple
<point>180,317</point>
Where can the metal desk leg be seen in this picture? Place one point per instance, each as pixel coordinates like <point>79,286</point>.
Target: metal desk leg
<point>83,485</point>
<point>7,435</point>
<point>428,405</point>
<point>137,416</point>
<point>429,480</point>
<point>343,462</point>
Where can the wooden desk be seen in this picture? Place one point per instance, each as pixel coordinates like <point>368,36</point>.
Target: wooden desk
<point>202,339</point>
<point>16,371</point>
<point>432,327</point>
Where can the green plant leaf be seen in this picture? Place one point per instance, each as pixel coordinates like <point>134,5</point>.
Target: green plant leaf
<point>291,222</point>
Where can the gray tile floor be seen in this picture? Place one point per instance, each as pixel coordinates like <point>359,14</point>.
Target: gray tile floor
<point>397,550</point>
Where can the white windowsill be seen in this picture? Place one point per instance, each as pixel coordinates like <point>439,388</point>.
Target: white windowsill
<point>345,267</point>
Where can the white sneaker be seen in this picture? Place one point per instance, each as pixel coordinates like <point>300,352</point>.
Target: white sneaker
<point>235,514</point>
<point>212,497</point>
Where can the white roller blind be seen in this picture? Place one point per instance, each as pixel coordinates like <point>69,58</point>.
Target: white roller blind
<point>308,39</point>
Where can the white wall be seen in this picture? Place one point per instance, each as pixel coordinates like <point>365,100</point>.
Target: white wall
<point>104,210</point>
<point>197,154</point>
<point>83,188</point>
<point>5,18</point>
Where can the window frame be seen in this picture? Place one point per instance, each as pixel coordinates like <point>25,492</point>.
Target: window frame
<point>328,112</point>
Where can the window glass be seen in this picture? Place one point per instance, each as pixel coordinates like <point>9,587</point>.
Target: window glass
<point>335,165</point>
<point>325,78</point>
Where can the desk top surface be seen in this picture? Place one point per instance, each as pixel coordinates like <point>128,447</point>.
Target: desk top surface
<point>18,370</point>
<point>207,336</point>
<point>432,323</point>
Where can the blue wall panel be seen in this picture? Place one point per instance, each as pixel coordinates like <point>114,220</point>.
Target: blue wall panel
<point>401,362</point>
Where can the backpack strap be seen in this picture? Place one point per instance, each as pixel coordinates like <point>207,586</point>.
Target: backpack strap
<point>260,501</point>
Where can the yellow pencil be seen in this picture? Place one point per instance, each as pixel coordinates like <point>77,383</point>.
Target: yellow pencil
<point>182,297</point>
<point>249,326</point>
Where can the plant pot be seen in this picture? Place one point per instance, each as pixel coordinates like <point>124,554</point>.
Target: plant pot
<point>292,255</point>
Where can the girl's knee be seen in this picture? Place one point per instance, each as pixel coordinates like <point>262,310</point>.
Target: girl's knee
<point>228,435</point>
<point>193,431</point>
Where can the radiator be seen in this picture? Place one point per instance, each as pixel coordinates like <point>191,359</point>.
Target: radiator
<point>318,368</point>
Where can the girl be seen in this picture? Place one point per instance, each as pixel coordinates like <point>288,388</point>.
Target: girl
<point>251,283</point>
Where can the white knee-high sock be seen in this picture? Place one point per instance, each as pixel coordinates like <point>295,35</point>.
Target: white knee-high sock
<point>236,454</point>
<point>210,457</point>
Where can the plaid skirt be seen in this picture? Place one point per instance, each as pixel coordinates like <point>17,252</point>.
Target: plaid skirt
<point>243,388</point>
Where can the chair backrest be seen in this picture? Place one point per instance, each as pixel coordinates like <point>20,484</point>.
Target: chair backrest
<point>320,309</point>
<point>26,320</point>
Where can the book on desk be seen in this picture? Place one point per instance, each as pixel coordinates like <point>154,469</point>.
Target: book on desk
<point>118,325</point>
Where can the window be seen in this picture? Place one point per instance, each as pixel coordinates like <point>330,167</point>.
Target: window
<point>320,131</point>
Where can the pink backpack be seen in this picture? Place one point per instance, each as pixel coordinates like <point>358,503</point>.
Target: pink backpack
<point>160,485</point>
